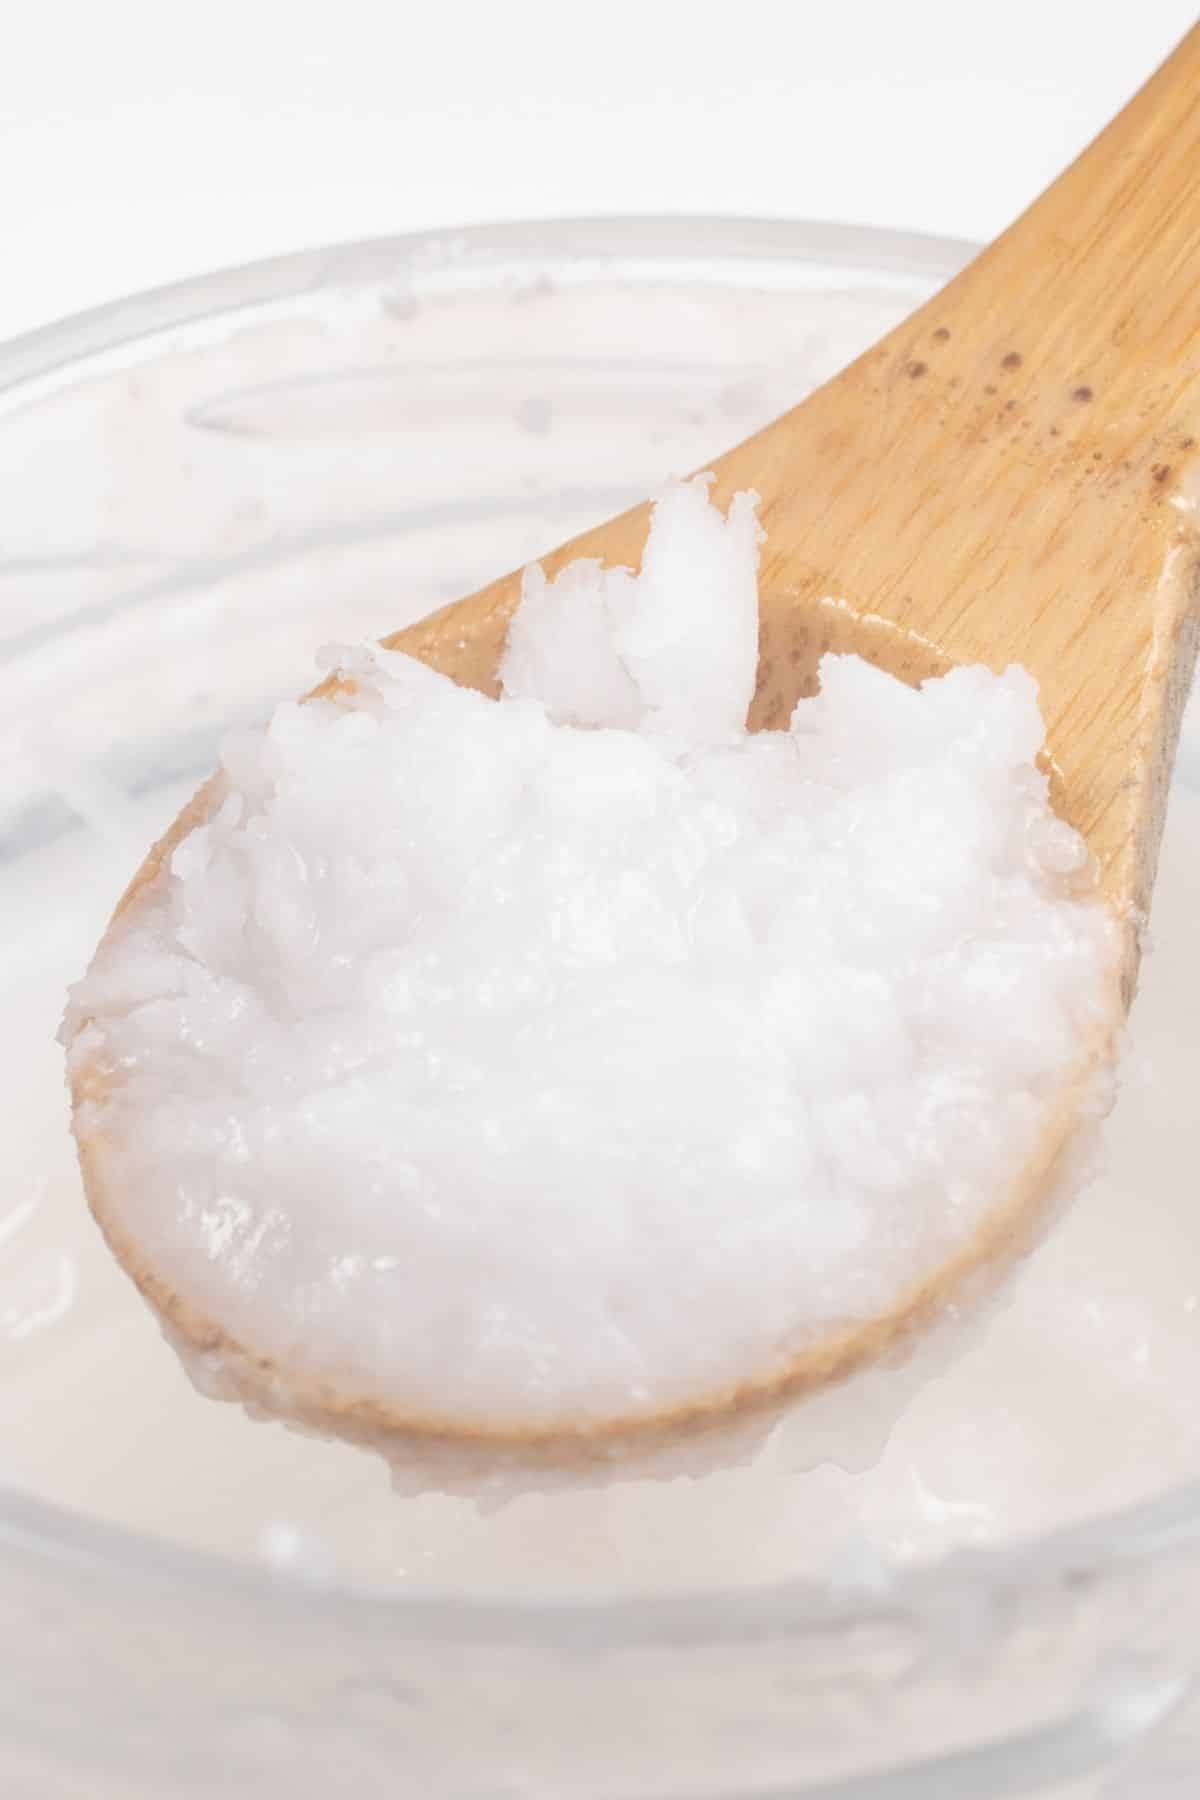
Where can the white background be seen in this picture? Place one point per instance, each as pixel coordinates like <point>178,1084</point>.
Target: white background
<point>144,140</point>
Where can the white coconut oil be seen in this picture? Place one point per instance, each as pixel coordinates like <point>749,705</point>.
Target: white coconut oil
<point>572,1057</point>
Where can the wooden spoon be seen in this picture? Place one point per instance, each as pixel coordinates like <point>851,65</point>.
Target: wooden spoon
<point>1007,477</point>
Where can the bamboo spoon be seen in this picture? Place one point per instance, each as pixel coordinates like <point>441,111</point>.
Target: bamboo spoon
<point>1010,476</point>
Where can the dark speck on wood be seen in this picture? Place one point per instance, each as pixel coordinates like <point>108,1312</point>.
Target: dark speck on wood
<point>1082,394</point>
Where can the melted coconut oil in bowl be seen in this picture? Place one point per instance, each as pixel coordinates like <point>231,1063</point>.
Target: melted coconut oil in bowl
<point>191,521</point>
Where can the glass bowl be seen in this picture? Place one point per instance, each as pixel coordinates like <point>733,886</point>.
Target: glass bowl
<point>199,487</point>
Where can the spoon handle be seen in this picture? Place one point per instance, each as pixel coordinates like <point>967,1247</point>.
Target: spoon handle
<point>1101,275</point>
<point>1011,475</point>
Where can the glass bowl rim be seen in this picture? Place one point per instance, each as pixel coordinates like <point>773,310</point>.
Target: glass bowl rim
<point>57,1537</point>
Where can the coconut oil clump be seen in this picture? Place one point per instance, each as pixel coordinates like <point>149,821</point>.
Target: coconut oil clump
<point>529,1064</point>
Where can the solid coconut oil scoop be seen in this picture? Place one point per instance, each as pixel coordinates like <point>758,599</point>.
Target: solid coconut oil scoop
<point>569,1026</point>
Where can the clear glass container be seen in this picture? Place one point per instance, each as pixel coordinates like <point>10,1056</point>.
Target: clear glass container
<point>197,487</point>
